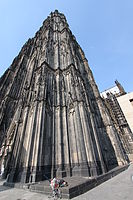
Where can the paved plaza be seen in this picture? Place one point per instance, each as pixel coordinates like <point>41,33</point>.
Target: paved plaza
<point>119,187</point>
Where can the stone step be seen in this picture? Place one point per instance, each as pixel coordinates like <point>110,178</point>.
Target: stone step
<point>76,185</point>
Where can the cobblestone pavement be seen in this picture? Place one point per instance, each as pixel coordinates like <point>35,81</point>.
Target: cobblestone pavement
<point>118,188</point>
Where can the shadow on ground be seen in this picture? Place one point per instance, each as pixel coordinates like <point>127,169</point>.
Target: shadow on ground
<point>2,187</point>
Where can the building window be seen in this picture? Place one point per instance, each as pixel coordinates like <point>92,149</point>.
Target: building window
<point>131,101</point>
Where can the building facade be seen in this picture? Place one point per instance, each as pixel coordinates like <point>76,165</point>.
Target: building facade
<point>126,104</point>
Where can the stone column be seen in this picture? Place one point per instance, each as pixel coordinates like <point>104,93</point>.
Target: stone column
<point>74,154</point>
<point>89,146</point>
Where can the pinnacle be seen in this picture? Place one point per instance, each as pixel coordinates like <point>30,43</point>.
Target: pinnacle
<point>57,13</point>
<point>56,17</point>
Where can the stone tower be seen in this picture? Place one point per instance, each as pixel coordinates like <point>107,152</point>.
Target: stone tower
<point>53,121</point>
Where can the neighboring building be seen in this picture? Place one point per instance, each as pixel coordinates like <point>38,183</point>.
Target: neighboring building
<point>126,104</point>
<point>53,120</point>
<point>120,106</point>
<point>116,90</point>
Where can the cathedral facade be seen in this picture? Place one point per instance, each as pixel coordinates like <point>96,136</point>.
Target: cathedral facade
<point>53,121</point>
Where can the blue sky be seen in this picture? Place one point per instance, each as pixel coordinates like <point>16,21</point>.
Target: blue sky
<point>103,28</point>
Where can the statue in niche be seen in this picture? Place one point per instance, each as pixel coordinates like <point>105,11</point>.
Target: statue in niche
<point>73,91</point>
<point>54,83</point>
<point>52,50</point>
<point>76,78</point>
<point>41,93</point>
<point>62,25</point>
<point>70,101</point>
<point>56,26</point>
<point>27,85</point>
<point>62,83</point>
<point>72,77</point>
<point>32,103</point>
<point>24,97</point>
<point>81,90</point>
<point>63,53</point>
<point>41,80</point>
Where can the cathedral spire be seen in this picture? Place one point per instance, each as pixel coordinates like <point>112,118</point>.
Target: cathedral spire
<point>57,124</point>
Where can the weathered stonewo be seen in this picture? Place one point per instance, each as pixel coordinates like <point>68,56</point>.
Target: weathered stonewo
<point>77,185</point>
<point>53,121</point>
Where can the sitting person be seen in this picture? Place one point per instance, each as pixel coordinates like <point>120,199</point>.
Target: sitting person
<point>62,183</point>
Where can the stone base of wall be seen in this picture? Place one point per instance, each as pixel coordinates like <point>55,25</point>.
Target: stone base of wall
<point>77,185</point>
